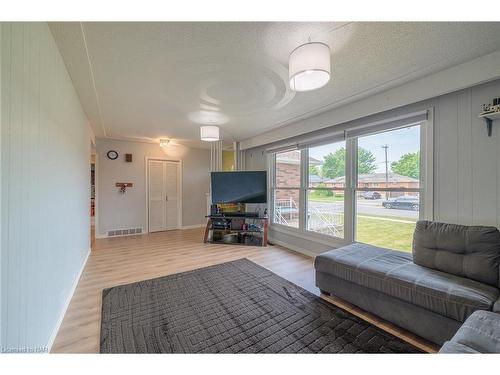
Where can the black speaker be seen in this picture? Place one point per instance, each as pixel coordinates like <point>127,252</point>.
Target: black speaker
<point>214,210</point>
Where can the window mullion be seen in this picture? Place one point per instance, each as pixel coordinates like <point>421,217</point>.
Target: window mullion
<point>271,164</point>
<point>349,201</point>
<point>304,182</point>
<point>426,167</point>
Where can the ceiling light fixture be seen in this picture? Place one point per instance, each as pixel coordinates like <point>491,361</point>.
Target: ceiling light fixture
<point>209,133</point>
<point>309,66</point>
<point>164,142</point>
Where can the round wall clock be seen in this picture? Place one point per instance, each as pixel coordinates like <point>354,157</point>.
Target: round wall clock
<point>112,155</point>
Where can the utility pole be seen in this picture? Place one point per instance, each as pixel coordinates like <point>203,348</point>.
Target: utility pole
<point>385,147</point>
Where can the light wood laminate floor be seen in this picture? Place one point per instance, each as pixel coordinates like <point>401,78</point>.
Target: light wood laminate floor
<point>125,260</point>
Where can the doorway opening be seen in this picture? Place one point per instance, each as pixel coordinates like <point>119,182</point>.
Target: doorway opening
<point>92,198</point>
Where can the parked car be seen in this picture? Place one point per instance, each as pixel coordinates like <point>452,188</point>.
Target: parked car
<point>371,195</point>
<point>403,203</point>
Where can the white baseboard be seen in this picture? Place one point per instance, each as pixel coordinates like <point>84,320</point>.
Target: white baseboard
<point>193,226</point>
<point>293,248</point>
<point>66,304</point>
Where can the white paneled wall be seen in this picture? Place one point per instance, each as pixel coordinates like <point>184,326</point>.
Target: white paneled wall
<point>467,160</point>
<point>45,153</point>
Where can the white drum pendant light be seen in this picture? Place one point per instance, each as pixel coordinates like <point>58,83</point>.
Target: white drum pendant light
<point>309,66</point>
<point>209,133</point>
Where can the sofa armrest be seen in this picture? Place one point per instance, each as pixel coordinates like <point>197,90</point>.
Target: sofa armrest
<point>496,306</point>
<point>451,347</point>
<point>480,333</point>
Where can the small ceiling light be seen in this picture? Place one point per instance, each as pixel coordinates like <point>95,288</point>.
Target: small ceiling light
<point>209,133</point>
<point>309,66</point>
<point>164,142</point>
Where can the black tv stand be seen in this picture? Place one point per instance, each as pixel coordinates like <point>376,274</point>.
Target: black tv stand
<point>221,227</point>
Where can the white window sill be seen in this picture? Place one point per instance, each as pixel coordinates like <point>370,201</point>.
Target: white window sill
<point>321,239</point>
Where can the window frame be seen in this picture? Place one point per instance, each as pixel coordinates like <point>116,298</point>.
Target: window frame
<point>273,187</point>
<point>425,190</point>
<point>309,188</point>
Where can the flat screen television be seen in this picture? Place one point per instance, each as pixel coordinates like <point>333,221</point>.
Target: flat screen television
<point>239,187</point>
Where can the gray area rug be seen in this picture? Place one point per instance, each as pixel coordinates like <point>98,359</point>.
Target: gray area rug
<point>234,307</point>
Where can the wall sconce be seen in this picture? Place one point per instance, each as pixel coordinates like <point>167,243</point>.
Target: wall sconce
<point>164,142</point>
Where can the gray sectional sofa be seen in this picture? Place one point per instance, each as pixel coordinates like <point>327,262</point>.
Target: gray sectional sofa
<point>452,272</point>
<point>479,334</point>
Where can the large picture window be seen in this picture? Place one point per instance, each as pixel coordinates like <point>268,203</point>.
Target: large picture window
<point>367,188</point>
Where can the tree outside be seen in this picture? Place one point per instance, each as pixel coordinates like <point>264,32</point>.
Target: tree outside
<point>334,163</point>
<point>366,161</point>
<point>314,170</point>
<point>407,165</point>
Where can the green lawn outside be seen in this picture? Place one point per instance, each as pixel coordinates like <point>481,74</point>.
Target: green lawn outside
<point>384,233</point>
<point>393,217</point>
<point>375,230</point>
<point>315,198</point>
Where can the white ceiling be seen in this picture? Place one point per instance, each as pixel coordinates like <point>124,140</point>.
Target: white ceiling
<point>144,80</point>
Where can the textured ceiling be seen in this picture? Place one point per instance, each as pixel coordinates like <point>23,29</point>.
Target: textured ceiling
<point>150,80</point>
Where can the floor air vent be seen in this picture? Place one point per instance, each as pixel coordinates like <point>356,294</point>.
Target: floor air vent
<point>124,232</point>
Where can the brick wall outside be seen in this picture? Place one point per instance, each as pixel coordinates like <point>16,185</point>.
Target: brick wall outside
<point>287,175</point>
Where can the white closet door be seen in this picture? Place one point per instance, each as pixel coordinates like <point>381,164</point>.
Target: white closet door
<point>163,195</point>
<point>157,201</point>
<point>172,194</point>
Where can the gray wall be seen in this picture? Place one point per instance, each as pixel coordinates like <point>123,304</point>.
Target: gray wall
<point>45,193</point>
<point>118,211</point>
<point>466,161</point>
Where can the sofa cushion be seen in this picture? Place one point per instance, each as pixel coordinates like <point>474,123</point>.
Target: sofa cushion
<point>479,334</point>
<point>468,251</point>
<point>393,273</point>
